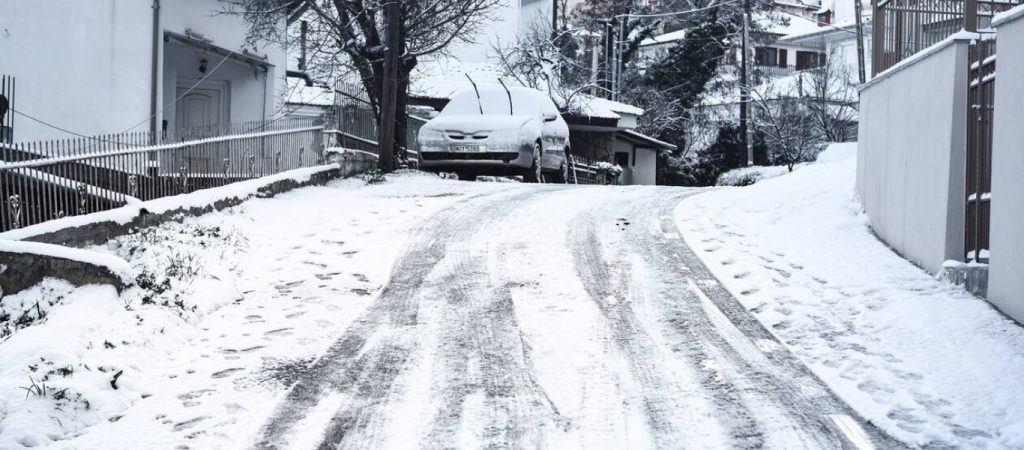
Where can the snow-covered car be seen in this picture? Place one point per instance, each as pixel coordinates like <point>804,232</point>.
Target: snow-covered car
<point>498,131</point>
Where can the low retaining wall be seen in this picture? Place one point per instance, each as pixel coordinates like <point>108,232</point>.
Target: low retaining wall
<point>26,258</point>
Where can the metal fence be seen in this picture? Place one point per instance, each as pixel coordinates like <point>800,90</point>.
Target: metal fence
<point>41,181</point>
<point>981,100</point>
<point>583,171</point>
<point>902,28</point>
<point>6,109</point>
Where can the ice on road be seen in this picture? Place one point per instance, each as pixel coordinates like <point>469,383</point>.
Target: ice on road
<point>479,315</point>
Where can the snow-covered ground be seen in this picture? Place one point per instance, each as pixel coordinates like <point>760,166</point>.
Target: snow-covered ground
<point>929,363</point>
<point>218,303</point>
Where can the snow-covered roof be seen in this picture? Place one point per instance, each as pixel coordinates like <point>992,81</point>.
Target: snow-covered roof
<point>442,79</point>
<point>297,93</point>
<point>603,108</point>
<point>664,38</point>
<point>773,23</point>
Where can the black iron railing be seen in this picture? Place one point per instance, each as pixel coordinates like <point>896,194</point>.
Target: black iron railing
<point>41,181</point>
<point>902,28</point>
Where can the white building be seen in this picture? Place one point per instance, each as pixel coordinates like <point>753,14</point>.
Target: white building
<point>837,35</point>
<point>113,66</point>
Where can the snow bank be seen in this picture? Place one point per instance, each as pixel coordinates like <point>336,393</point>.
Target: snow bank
<point>926,361</point>
<point>838,151</point>
<point>745,176</point>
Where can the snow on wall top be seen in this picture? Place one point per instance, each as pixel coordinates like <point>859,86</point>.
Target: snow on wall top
<point>116,265</point>
<point>1008,16</point>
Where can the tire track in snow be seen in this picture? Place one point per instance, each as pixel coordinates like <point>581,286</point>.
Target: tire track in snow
<point>607,283</point>
<point>760,366</point>
<point>365,361</point>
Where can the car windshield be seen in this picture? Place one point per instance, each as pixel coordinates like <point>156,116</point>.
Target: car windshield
<point>495,101</point>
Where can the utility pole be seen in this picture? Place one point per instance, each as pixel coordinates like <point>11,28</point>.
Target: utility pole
<point>745,111</point>
<point>861,69</point>
<point>620,42</point>
<point>389,91</point>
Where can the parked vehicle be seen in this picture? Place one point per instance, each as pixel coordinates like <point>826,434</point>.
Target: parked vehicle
<point>498,131</point>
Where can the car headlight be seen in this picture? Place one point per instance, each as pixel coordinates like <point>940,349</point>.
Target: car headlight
<point>431,135</point>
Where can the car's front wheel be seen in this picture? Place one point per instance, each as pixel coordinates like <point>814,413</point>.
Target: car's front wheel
<point>533,174</point>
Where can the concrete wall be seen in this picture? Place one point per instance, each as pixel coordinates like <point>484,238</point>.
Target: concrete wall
<point>1006,262</point>
<point>86,66</point>
<point>911,155</point>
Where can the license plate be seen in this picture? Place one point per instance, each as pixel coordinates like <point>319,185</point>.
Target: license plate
<point>468,148</point>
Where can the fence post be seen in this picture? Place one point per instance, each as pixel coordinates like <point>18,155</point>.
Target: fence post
<point>971,15</point>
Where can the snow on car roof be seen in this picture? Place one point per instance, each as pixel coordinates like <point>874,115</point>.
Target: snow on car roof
<point>443,79</point>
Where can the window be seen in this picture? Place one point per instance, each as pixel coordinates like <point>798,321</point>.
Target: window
<point>766,56</point>
<point>783,57</point>
<point>622,159</point>
<point>809,60</point>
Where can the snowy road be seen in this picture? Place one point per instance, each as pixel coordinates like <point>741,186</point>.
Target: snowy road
<point>557,317</point>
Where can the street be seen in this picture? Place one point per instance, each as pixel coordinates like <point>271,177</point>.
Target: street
<point>556,317</point>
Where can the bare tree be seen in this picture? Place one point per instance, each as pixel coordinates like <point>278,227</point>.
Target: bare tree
<point>787,126</point>
<point>831,97</point>
<point>349,37</point>
<point>547,61</point>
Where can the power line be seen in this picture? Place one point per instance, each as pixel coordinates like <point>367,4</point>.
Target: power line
<point>676,13</point>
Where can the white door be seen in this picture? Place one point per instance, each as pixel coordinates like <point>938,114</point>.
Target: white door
<point>201,112</point>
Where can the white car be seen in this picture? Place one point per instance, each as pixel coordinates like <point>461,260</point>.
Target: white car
<point>498,131</point>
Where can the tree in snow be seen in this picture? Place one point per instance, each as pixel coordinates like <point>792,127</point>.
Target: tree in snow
<point>831,97</point>
<point>788,126</point>
<point>348,37</point>
<point>547,61</point>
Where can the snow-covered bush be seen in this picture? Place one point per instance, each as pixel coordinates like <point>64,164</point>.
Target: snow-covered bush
<point>607,168</point>
<point>746,176</point>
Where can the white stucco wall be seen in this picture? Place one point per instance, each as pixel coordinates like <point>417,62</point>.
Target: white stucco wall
<point>1006,262</point>
<point>645,171</point>
<point>83,66</point>
<point>911,156</point>
<point>86,66</point>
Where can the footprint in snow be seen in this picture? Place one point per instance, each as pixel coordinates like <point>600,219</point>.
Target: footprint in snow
<point>226,372</point>
<point>189,423</point>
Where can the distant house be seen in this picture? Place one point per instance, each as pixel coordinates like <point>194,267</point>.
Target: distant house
<point>109,66</point>
<point>600,129</point>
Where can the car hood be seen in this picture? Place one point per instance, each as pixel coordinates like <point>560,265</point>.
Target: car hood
<point>477,123</point>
